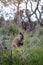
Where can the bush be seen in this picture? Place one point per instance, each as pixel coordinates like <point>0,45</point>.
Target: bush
<point>41,32</point>
<point>2,31</point>
<point>14,30</point>
<point>31,34</point>
<point>41,41</point>
<point>15,20</point>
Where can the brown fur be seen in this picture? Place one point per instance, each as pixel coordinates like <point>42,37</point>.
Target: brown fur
<point>15,42</point>
<point>18,41</point>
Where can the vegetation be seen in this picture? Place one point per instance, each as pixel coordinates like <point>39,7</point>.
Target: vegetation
<point>31,53</point>
<point>2,31</point>
<point>31,34</point>
<point>41,32</point>
<point>13,29</point>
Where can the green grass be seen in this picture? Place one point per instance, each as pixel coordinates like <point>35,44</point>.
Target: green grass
<point>31,53</point>
<point>2,31</point>
<point>14,30</point>
<point>31,34</point>
<point>41,32</point>
<point>36,56</point>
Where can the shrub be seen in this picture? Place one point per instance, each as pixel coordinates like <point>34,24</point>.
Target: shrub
<point>2,31</point>
<point>16,20</point>
<point>31,34</point>
<point>41,41</point>
<point>14,30</point>
<point>41,32</point>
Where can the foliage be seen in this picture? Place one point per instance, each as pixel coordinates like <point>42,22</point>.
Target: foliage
<point>31,34</point>
<point>41,32</point>
<point>14,30</point>
<point>36,56</point>
<point>31,53</point>
<point>2,31</point>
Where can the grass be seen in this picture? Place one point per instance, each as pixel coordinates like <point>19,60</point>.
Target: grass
<point>31,34</point>
<point>14,30</point>
<point>36,56</point>
<point>41,31</point>
<point>2,31</point>
<point>31,53</point>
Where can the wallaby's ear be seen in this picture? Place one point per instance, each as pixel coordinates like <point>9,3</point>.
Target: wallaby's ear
<point>21,33</point>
